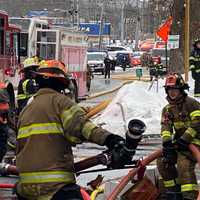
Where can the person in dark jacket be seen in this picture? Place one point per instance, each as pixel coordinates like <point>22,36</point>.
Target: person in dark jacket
<point>195,67</point>
<point>107,63</point>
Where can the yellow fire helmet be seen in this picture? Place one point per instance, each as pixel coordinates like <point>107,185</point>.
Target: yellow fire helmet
<point>30,63</point>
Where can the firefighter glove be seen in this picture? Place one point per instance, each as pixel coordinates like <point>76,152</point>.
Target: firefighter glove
<point>169,153</point>
<point>182,145</point>
<point>119,154</point>
<point>113,141</point>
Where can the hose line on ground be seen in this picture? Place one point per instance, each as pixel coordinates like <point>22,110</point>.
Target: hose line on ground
<point>95,193</point>
<point>124,181</point>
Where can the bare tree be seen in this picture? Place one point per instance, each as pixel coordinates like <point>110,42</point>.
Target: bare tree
<point>176,61</point>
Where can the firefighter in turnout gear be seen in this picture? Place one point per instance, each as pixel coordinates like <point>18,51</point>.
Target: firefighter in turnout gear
<point>27,85</point>
<point>4,110</point>
<point>195,67</point>
<point>180,126</point>
<point>48,127</point>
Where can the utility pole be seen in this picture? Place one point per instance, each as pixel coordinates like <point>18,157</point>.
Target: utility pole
<point>101,24</point>
<point>122,22</point>
<point>77,8</point>
<point>187,38</point>
<point>137,31</point>
<point>95,14</point>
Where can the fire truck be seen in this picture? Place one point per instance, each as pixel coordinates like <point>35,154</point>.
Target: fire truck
<point>27,36</point>
<point>9,58</point>
<point>9,49</point>
<point>69,46</point>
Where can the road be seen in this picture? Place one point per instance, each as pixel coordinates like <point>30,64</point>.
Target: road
<point>100,84</point>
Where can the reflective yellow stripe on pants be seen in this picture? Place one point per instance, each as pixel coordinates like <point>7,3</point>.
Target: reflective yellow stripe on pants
<point>195,114</point>
<point>196,141</point>
<point>169,183</point>
<point>189,187</point>
<point>40,129</point>
<point>166,135</point>
<point>47,177</point>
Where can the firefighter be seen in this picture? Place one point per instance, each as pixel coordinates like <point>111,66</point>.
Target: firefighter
<point>180,126</point>
<point>27,85</point>
<point>47,129</point>
<point>195,67</point>
<point>4,109</point>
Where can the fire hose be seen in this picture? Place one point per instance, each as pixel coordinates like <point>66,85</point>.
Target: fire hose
<point>109,91</point>
<point>133,137</point>
<point>124,181</point>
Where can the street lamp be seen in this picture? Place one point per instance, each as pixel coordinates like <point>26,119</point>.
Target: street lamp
<point>73,12</point>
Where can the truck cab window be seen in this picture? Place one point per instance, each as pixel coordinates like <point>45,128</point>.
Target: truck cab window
<point>24,44</point>
<point>1,41</point>
<point>15,44</point>
<point>1,35</point>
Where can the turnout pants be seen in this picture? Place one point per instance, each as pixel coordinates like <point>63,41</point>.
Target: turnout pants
<point>183,175</point>
<point>3,140</point>
<point>197,88</point>
<point>68,192</point>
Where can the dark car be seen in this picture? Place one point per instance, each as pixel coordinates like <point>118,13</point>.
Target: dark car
<point>123,59</point>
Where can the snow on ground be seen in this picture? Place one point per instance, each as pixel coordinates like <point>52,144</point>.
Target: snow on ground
<point>137,102</point>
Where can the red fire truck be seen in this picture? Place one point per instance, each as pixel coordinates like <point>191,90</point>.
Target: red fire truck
<point>9,49</point>
<point>70,47</point>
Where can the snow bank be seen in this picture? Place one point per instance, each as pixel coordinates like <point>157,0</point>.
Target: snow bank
<point>137,102</point>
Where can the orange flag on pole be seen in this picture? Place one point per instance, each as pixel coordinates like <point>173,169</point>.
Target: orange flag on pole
<point>163,31</point>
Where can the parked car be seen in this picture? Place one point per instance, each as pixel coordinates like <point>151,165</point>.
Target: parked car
<point>96,61</point>
<point>135,58</point>
<point>123,58</point>
<point>113,50</point>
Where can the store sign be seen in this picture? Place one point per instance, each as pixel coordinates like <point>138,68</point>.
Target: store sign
<point>173,42</point>
<point>94,28</point>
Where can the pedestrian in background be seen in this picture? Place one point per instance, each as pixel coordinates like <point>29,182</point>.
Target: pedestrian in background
<point>107,63</point>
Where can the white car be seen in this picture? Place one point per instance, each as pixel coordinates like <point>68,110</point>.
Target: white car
<point>113,50</point>
<point>96,61</point>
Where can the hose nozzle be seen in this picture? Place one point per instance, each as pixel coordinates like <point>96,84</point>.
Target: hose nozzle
<point>136,128</point>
